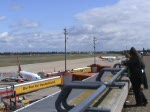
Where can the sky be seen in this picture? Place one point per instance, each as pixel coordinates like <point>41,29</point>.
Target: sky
<point>38,25</point>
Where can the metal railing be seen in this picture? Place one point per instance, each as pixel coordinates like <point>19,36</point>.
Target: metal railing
<point>61,102</point>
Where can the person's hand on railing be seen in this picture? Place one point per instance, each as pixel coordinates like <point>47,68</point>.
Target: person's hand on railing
<point>142,86</point>
<point>123,62</point>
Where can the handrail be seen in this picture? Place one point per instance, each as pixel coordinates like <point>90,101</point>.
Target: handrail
<point>106,70</point>
<point>66,90</point>
<point>115,84</point>
<point>100,86</point>
<point>110,82</point>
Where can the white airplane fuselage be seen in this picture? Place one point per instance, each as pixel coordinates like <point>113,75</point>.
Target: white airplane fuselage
<point>29,76</point>
<point>107,57</point>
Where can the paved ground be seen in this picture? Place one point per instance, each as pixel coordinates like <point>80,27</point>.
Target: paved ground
<point>130,106</point>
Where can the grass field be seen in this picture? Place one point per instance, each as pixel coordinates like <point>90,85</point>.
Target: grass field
<point>11,60</point>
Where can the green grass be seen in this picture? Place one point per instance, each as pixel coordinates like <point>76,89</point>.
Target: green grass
<point>11,60</point>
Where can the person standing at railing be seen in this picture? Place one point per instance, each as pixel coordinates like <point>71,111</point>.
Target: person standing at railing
<point>143,73</point>
<point>134,65</point>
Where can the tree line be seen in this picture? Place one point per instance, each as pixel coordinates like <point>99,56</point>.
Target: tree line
<point>72,52</point>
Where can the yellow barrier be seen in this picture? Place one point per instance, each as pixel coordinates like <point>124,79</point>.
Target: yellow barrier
<point>81,70</point>
<point>25,101</point>
<point>28,87</point>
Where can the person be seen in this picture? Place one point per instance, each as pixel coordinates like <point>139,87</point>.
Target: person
<point>134,65</point>
<point>144,74</point>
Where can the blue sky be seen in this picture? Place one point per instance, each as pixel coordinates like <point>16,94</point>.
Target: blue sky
<point>37,25</point>
<point>50,14</point>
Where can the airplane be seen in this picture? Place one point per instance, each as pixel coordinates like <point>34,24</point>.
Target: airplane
<point>109,58</point>
<point>13,76</point>
<point>29,76</point>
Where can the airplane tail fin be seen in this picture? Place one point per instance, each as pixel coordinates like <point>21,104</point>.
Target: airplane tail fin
<point>100,57</point>
<point>19,66</point>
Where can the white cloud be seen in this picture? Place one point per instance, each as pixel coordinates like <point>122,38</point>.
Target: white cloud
<point>6,38</point>
<point>32,41</point>
<point>117,27</point>
<point>2,18</point>
<point>15,6</point>
<point>4,34</point>
<point>25,23</point>
<point>126,23</point>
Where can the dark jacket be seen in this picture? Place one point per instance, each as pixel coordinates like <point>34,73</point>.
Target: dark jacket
<point>134,66</point>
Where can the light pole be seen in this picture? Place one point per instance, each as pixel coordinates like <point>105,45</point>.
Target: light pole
<point>94,40</point>
<point>65,32</point>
